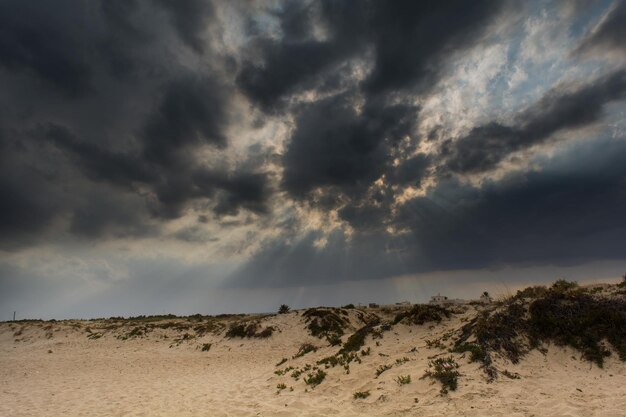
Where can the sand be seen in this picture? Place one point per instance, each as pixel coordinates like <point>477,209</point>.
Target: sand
<point>55,369</point>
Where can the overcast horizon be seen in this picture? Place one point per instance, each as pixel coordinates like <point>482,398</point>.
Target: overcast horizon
<point>218,157</point>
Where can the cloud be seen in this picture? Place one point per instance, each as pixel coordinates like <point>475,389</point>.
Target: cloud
<point>193,110</point>
<point>191,20</point>
<point>39,40</point>
<point>485,146</point>
<point>609,34</point>
<point>333,145</point>
<point>406,42</point>
<point>565,212</point>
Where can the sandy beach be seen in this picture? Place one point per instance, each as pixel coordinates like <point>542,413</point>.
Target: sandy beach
<point>170,366</point>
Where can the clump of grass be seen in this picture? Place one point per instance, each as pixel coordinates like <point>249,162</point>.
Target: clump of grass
<point>281,387</point>
<point>403,379</point>
<point>282,372</point>
<point>366,352</point>
<point>444,370</point>
<point>304,349</point>
<point>248,330</point>
<point>422,313</point>
<point>297,372</point>
<point>241,330</point>
<point>434,344</point>
<point>562,285</point>
<point>283,309</point>
<point>134,333</point>
<point>315,378</point>
<point>283,360</point>
<point>356,341</point>
<point>94,336</point>
<point>510,374</point>
<point>206,347</point>
<point>531,292</point>
<point>333,340</point>
<point>477,352</point>
<point>325,322</point>
<point>265,333</point>
<point>381,369</point>
<point>361,395</point>
<point>400,361</point>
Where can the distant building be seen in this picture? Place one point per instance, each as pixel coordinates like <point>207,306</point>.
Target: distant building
<point>442,300</point>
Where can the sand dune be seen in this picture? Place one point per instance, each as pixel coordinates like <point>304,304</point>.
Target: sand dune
<point>109,368</point>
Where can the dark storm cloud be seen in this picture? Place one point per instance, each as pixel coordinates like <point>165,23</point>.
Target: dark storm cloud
<point>568,212</point>
<point>192,111</point>
<point>191,19</point>
<point>117,118</point>
<point>610,34</point>
<point>100,164</point>
<point>410,41</point>
<point>485,146</point>
<point>335,146</point>
<point>36,38</point>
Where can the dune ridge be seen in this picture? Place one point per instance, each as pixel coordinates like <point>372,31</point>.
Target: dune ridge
<point>315,362</point>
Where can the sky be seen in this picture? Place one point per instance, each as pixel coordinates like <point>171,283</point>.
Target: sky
<point>230,156</point>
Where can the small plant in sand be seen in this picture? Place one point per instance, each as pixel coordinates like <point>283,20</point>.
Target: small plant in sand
<point>283,309</point>
<point>283,360</point>
<point>366,352</point>
<point>477,352</point>
<point>422,313</point>
<point>206,347</point>
<point>400,361</point>
<point>512,375</point>
<point>282,372</point>
<point>333,340</point>
<point>403,379</point>
<point>304,349</point>
<point>381,369</point>
<point>281,387</point>
<point>315,378</point>
<point>361,395</point>
<point>444,370</point>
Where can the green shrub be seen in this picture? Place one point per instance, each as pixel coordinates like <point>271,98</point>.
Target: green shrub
<point>304,349</point>
<point>361,395</point>
<point>333,340</point>
<point>444,370</point>
<point>510,374</point>
<point>283,360</point>
<point>283,309</point>
<point>315,378</point>
<point>265,333</point>
<point>403,379</point>
<point>400,361</point>
<point>237,330</point>
<point>580,321</point>
<point>381,369</point>
<point>206,347</point>
<point>325,323</point>
<point>562,285</point>
<point>348,306</point>
<point>422,313</point>
<point>477,352</point>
